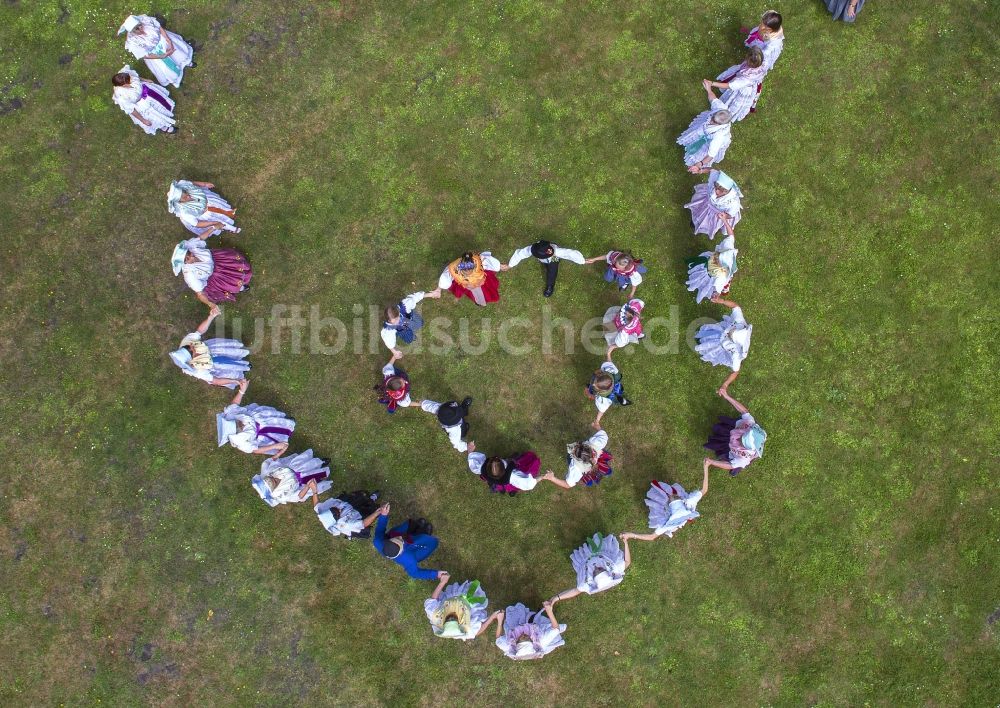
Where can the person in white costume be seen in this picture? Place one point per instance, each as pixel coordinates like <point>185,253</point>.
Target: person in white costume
<point>711,273</point>
<point>549,255</point>
<point>202,211</point>
<point>587,461</point>
<point>402,321</point>
<point>739,84</point>
<point>716,205</point>
<point>769,37</point>
<point>451,417</point>
<point>166,53</point>
<point>459,610</point>
<point>670,508</point>
<point>254,429</point>
<point>350,514</point>
<point>623,325</point>
<point>292,479</point>
<point>708,137</point>
<point>605,390</point>
<point>146,103</point>
<point>600,564</point>
<point>219,362</point>
<point>523,635</point>
<point>726,342</point>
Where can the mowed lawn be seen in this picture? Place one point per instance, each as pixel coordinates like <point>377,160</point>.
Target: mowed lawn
<point>365,145</point>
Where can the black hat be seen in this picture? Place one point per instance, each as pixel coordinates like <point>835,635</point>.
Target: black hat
<point>449,414</point>
<point>542,249</point>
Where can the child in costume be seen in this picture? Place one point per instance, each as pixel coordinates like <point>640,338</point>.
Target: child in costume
<point>587,462</point>
<point>623,269</point>
<point>402,321</point>
<point>605,390</point>
<point>623,325</point>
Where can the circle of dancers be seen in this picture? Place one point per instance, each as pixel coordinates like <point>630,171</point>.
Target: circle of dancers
<point>460,610</point>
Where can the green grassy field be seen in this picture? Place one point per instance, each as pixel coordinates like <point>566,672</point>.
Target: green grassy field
<point>366,144</point>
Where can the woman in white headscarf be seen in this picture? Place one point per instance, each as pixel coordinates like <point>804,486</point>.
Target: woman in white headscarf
<point>600,564</point>
<point>202,211</point>
<point>711,273</point>
<point>292,479</point>
<point>708,137</point>
<point>716,205</point>
<point>523,635</point>
<point>220,362</point>
<point>670,508</point>
<point>726,342</point>
<point>215,276</point>
<point>165,53</point>
<point>147,104</point>
<point>459,610</point>
<point>254,429</point>
<point>735,442</point>
<point>740,83</point>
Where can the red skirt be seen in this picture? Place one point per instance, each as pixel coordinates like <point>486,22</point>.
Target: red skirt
<point>232,273</point>
<point>490,288</point>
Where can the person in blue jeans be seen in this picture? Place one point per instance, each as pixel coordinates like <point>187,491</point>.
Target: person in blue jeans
<point>408,544</point>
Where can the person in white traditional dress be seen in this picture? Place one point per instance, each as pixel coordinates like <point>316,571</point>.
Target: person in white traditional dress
<point>586,461</point>
<point>523,635</point>
<point>726,342</point>
<point>291,479</point>
<point>715,205</point>
<point>600,564</point>
<point>739,84</point>
<point>670,508</point>
<point>166,53</point>
<point>769,37</point>
<point>623,325</point>
<point>147,104</point>
<point>219,362</point>
<point>350,514</point>
<point>254,429</point>
<point>708,137</point>
<point>459,610</point>
<point>402,321</point>
<point>711,273</point>
<point>549,255</point>
<point>202,211</point>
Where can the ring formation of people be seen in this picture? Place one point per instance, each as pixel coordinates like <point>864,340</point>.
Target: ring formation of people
<point>460,610</point>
